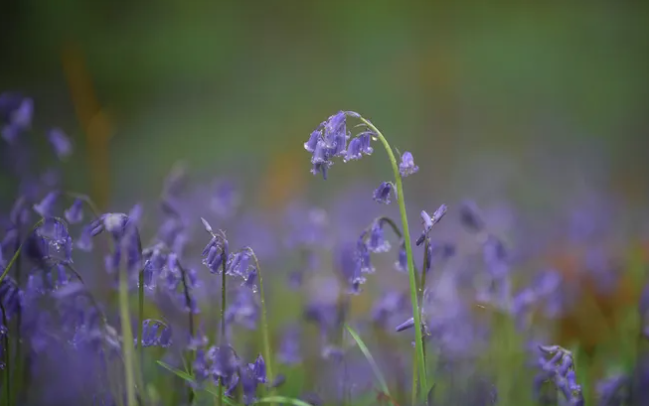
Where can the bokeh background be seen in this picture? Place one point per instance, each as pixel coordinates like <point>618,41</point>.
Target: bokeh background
<point>530,102</point>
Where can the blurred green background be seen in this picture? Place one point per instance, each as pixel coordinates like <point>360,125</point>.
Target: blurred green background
<point>236,87</point>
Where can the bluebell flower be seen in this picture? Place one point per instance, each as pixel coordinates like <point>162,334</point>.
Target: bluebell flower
<point>495,257</point>
<point>36,248</point>
<point>354,151</point>
<point>19,214</point>
<point>329,140</point>
<point>74,214</point>
<point>225,361</point>
<point>11,297</point>
<point>60,143</point>
<point>377,242</point>
<point>225,200</point>
<point>289,347</point>
<point>429,222</point>
<point>17,113</point>
<point>46,206</point>
<point>366,142</point>
<point>382,193</point>
<point>407,165</point>
<point>155,334</point>
<point>350,268</point>
<point>391,303</point>
<point>406,325</point>
<point>243,310</point>
<point>470,216</point>
<point>84,242</point>
<point>362,255</point>
<point>312,143</point>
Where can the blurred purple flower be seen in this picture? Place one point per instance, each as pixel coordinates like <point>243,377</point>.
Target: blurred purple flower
<point>407,165</point>
<point>470,216</point>
<point>382,193</point>
<point>60,143</point>
<point>74,214</point>
<point>429,222</point>
<point>46,206</point>
<point>377,242</point>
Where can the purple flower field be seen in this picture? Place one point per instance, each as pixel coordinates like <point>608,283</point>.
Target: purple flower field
<point>369,298</point>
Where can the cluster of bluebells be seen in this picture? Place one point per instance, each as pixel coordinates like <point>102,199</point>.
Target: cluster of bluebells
<point>560,370</point>
<point>48,302</point>
<point>222,365</point>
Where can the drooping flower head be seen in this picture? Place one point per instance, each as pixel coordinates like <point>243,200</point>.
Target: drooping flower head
<point>429,222</point>
<point>407,165</point>
<point>383,192</point>
<point>60,143</point>
<point>329,140</point>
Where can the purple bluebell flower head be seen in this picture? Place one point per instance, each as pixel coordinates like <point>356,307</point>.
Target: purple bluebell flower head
<point>84,242</point>
<point>225,361</point>
<point>350,267</point>
<point>362,255</point>
<point>225,200</point>
<point>495,257</point>
<point>366,142</point>
<point>16,113</point>
<point>377,242</point>
<point>312,143</point>
<point>36,248</point>
<point>259,369</point>
<point>429,222</point>
<point>390,304</point>
<point>60,143</point>
<point>289,348</point>
<point>11,297</point>
<point>401,264</point>
<point>243,310</point>
<point>46,206</point>
<point>74,214</point>
<point>408,324</point>
<point>115,224</point>
<point>155,334</point>
<point>611,391</point>
<point>19,212</point>
<point>382,193</point>
<point>470,217</point>
<point>407,165</point>
<point>354,150</point>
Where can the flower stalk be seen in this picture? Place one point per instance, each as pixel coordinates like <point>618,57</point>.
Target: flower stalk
<point>412,276</point>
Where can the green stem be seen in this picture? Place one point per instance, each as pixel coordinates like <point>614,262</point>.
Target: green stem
<point>127,338</point>
<point>140,318</point>
<point>7,357</point>
<point>412,277</point>
<point>222,333</point>
<point>17,252</point>
<point>264,322</point>
<point>188,303</point>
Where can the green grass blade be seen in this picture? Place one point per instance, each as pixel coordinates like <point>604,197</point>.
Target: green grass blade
<point>282,399</point>
<point>184,375</point>
<point>370,359</point>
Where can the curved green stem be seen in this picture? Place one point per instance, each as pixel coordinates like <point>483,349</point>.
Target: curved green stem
<point>412,277</point>
<point>222,334</point>
<point>264,321</point>
<point>188,303</point>
<point>6,387</point>
<point>127,338</point>
<point>14,258</point>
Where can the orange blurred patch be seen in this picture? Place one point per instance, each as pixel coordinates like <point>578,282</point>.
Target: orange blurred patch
<point>284,178</point>
<point>93,120</point>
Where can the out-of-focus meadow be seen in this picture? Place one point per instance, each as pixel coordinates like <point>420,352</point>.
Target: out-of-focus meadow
<point>537,112</point>
<point>493,98</point>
